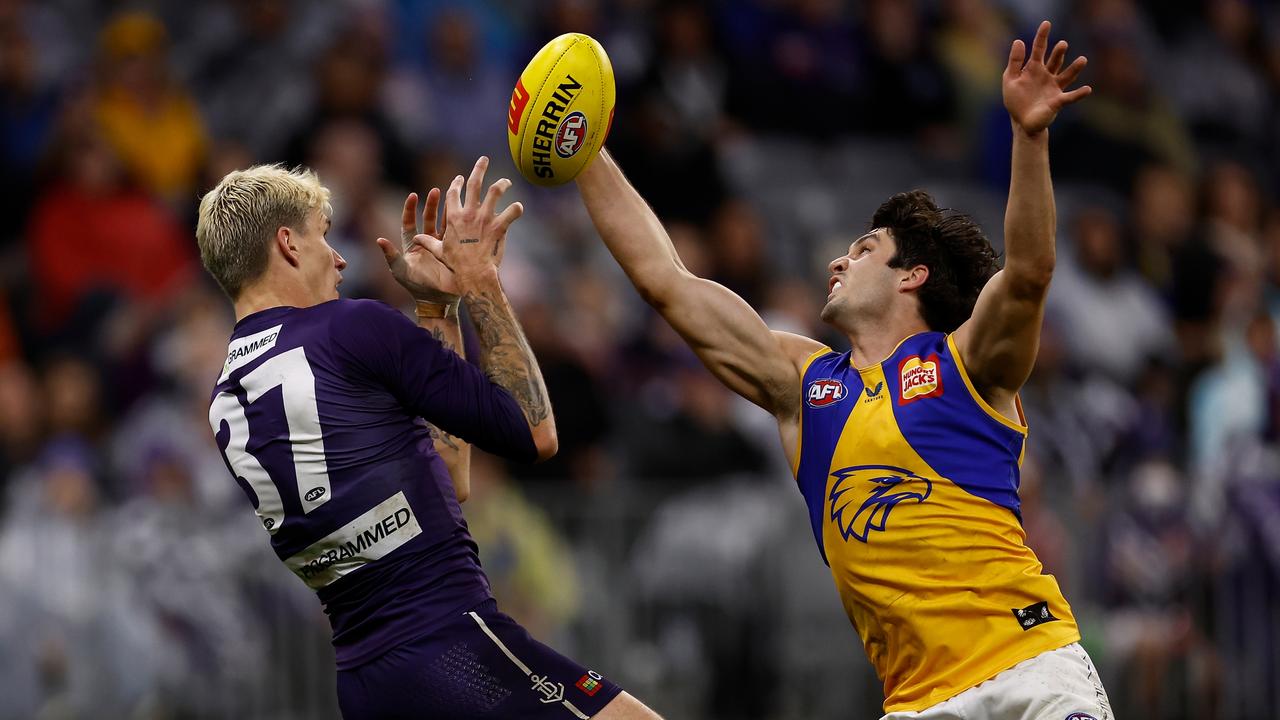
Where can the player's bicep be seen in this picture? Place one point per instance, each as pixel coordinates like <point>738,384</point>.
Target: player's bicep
<point>732,340</point>
<point>1001,338</point>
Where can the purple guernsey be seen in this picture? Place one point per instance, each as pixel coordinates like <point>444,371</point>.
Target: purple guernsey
<point>319,415</point>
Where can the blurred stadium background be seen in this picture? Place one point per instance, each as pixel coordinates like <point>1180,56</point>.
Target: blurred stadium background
<point>665,545</point>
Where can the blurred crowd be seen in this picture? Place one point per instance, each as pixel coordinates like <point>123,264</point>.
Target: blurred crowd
<point>665,537</point>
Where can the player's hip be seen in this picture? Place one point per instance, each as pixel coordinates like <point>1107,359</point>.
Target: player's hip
<point>483,665</point>
<point>1060,684</point>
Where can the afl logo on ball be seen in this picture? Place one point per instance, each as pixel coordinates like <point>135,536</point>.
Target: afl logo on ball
<point>825,392</point>
<point>1081,716</point>
<point>571,135</point>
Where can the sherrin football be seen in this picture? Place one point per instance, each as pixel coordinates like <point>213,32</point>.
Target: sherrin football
<point>561,109</point>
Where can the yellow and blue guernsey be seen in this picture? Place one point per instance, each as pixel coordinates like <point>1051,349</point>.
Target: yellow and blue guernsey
<point>911,479</point>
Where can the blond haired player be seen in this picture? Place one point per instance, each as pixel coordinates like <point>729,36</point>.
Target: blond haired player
<point>907,446</point>
<point>321,413</point>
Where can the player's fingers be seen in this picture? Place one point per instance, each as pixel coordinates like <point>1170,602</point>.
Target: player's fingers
<point>1041,43</point>
<point>500,248</point>
<point>476,181</point>
<point>1076,95</point>
<point>434,245</point>
<point>389,251</point>
<point>1059,53</point>
<point>422,240</point>
<point>508,216</point>
<point>492,197</point>
<point>452,198</point>
<point>1068,76</point>
<point>1017,56</point>
<point>409,219</point>
<point>432,209</point>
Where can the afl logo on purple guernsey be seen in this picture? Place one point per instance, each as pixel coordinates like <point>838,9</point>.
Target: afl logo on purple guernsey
<point>314,494</point>
<point>571,134</point>
<point>825,392</point>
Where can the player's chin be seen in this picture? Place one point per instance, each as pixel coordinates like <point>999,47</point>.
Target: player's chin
<point>831,311</point>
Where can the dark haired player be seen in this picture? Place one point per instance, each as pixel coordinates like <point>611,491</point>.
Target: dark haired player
<point>319,414</point>
<point>906,447</point>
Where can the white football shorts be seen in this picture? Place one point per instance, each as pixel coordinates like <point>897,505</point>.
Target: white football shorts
<point>1058,684</point>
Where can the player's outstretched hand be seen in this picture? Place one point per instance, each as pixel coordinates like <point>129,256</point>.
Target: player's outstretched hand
<point>1035,88</point>
<point>412,264</point>
<point>475,235</point>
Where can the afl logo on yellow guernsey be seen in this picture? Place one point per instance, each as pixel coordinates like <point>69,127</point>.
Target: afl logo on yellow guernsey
<point>920,378</point>
<point>825,392</point>
<point>863,496</point>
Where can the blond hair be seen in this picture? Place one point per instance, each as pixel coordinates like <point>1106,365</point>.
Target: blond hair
<point>239,218</point>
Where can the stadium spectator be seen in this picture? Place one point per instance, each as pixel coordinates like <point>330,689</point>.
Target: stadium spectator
<point>94,231</point>
<point>1095,282</point>
<point>28,108</point>
<point>766,130</point>
<point>146,116</point>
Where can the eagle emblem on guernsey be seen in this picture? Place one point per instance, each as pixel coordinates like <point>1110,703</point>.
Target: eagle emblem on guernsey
<point>863,496</point>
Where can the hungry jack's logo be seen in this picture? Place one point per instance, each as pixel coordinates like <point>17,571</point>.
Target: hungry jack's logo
<point>919,378</point>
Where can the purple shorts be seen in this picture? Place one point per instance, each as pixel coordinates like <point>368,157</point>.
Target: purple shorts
<point>483,665</point>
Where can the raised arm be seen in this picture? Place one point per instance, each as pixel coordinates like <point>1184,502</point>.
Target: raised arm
<point>725,332</point>
<point>435,295</point>
<point>1000,340</point>
<point>472,248</point>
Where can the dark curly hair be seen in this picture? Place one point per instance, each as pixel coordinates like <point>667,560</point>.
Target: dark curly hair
<point>959,257</point>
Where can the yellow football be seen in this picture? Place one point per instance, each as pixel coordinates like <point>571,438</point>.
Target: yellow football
<point>561,109</point>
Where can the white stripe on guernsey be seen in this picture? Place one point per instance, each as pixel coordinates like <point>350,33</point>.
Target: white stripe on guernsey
<point>523,668</point>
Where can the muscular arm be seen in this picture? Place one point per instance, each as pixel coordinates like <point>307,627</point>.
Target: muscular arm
<point>724,331</point>
<point>506,358</point>
<point>1000,340</point>
<point>455,451</point>
<point>471,249</point>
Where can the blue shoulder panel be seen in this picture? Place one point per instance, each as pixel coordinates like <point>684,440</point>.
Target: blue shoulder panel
<point>947,427</point>
<point>831,392</point>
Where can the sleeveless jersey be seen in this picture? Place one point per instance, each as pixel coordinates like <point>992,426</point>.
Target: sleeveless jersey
<point>318,414</point>
<point>911,480</point>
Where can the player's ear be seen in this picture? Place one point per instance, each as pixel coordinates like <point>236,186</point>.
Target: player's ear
<point>287,245</point>
<point>913,279</point>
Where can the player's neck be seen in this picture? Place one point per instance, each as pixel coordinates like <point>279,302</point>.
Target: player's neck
<point>271,292</point>
<point>871,342</point>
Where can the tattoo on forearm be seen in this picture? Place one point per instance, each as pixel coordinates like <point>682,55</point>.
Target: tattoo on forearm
<point>438,334</point>
<point>446,438</point>
<point>505,355</point>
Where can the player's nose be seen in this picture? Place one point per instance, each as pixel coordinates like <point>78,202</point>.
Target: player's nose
<point>338,261</point>
<point>840,264</point>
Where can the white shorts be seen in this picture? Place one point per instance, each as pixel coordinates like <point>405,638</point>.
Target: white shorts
<point>1058,684</point>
